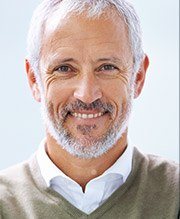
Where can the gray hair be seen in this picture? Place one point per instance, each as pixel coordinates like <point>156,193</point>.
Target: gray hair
<point>94,8</point>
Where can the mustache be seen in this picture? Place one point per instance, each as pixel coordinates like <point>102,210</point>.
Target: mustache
<point>79,105</point>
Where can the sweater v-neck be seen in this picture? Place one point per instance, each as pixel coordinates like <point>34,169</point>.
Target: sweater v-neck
<point>59,200</point>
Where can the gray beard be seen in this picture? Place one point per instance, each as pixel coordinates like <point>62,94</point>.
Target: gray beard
<point>88,147</point>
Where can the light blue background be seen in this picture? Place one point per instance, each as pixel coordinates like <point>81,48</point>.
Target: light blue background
<point>154,121</point>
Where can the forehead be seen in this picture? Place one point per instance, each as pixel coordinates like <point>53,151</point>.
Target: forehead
<point>86,9</point>
<point>77,32</point>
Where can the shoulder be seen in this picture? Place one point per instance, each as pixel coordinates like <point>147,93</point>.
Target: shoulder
<point>155,163</point>
<point>157,180</point>
<point>15,179</point>
<point>158,170</point>
<point>17,189</point>
<point>12,177</point>
<point>162,167</point>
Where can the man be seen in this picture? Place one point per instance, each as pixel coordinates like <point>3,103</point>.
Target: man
<point>85,65</point>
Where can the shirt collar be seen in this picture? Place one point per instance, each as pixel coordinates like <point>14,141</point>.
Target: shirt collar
<point>49,170</point>
<point>123,164</point>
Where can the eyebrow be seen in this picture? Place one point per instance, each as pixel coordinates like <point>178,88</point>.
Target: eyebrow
<point>56,61</point>
<point>113,59</point>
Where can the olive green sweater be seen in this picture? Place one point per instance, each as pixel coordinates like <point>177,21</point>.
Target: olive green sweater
<point>150,192</point>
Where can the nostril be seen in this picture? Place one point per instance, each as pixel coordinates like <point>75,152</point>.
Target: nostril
<point>87,89</point>
<point>88,96</point>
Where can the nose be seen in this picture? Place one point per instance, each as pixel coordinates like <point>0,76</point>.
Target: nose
<point>88,89</point>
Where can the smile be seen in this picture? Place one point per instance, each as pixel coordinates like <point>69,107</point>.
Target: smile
<point>87,116</point>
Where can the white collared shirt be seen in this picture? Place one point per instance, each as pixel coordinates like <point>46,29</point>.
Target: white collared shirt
<point>97,191</point>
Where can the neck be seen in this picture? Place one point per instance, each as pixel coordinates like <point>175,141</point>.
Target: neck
<point>84,170</point>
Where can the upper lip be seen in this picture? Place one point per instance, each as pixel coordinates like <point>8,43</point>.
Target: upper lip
<point>88,111</point>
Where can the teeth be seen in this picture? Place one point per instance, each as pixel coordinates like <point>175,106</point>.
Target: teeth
<point>84,116</point>
<point>87,116</point>
<point>90,116</point>
<point>95,115</point>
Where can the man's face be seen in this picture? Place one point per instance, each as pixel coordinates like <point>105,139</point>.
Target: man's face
<point>86,71</point>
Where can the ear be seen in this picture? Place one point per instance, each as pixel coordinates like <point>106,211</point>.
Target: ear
<point>140,77</point>
<point>32,82</point>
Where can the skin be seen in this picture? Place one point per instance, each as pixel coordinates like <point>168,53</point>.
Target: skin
<point>88,47</point>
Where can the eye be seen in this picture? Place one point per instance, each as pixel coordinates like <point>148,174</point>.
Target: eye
<point>107,71</point>
<point>108,67</point>
<point>63,69</point>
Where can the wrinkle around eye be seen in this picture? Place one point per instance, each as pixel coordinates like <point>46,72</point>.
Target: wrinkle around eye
<point>125,74</point>
<point>124,78</point>
<point>49,80</point>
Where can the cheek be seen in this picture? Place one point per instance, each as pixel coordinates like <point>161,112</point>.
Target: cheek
<point>118,95</point>
<point>118,92</point>
<point>57,94</point>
